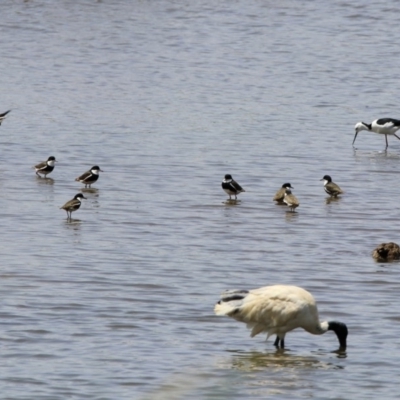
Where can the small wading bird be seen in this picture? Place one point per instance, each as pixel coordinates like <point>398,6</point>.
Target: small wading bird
<point>45,167</point>
<point>387,252</point>
<point>73,205</point>
<point>90,177</point>
<point>3,116</point>
<point>291,200</point>
<point>280,194</point>
<point>330,187</point>
<point>384,126</point>
<point>231,187</point>
<point>277,310</point>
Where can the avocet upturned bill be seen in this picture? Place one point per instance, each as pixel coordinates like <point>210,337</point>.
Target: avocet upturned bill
<point>384,126</point>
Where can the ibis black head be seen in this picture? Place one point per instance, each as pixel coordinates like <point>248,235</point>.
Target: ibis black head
<point>341,332</point>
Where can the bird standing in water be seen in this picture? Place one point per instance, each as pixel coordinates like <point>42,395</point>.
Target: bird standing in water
<point>90,177</point>
<point>330,187</point>
<point>73,205</point>
<point>277,310</point>
<point>291,200</point>
<point>384,126</point>
<point>45,167</point>
<point>280,194</point>
<point>231,187</point>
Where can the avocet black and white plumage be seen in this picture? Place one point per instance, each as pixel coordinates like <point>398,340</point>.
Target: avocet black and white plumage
<point>73,205</point>
<point>280,194</point>
<point>3,116</point>
<point>291,200</point>
<point>45,167</point>
<point>384,126</point>
<point>277,310</point>
<point>331,187</point>
<point>231,187</point>
<point>90,177</point>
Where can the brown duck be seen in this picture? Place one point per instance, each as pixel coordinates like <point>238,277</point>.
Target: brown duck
<point>386,252</point>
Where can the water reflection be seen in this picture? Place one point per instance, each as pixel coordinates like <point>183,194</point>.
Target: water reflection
<point>90,191</point>
<point>231,202</point>
<point>377,154</point>
<point>278,359</point>
<point>340,353</point>
<point>44,181</point>
<point>74,224</point>
<point>177,386</point>
<point>291,216</point>
<point>330,200</point>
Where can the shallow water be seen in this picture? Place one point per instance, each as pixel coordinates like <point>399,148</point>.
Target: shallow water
<point>167,97</point>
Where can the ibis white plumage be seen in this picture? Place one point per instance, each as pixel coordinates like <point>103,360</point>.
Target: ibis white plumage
<point>276,310</point>
<point>384,126</point>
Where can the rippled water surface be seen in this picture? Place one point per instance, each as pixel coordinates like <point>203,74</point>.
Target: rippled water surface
<point>167,97</point>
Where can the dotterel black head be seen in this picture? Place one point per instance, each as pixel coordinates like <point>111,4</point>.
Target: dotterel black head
<point>326,178</point>
<point>96,169</point>
<point>79,196</point>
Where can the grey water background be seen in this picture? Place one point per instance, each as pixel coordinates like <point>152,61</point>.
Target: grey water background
<point>167,97</point>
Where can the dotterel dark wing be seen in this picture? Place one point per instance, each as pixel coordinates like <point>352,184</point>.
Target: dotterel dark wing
<point>236,187</point>
<point>84,176</point>
<point>41,165</point>
<point>73,204</point>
